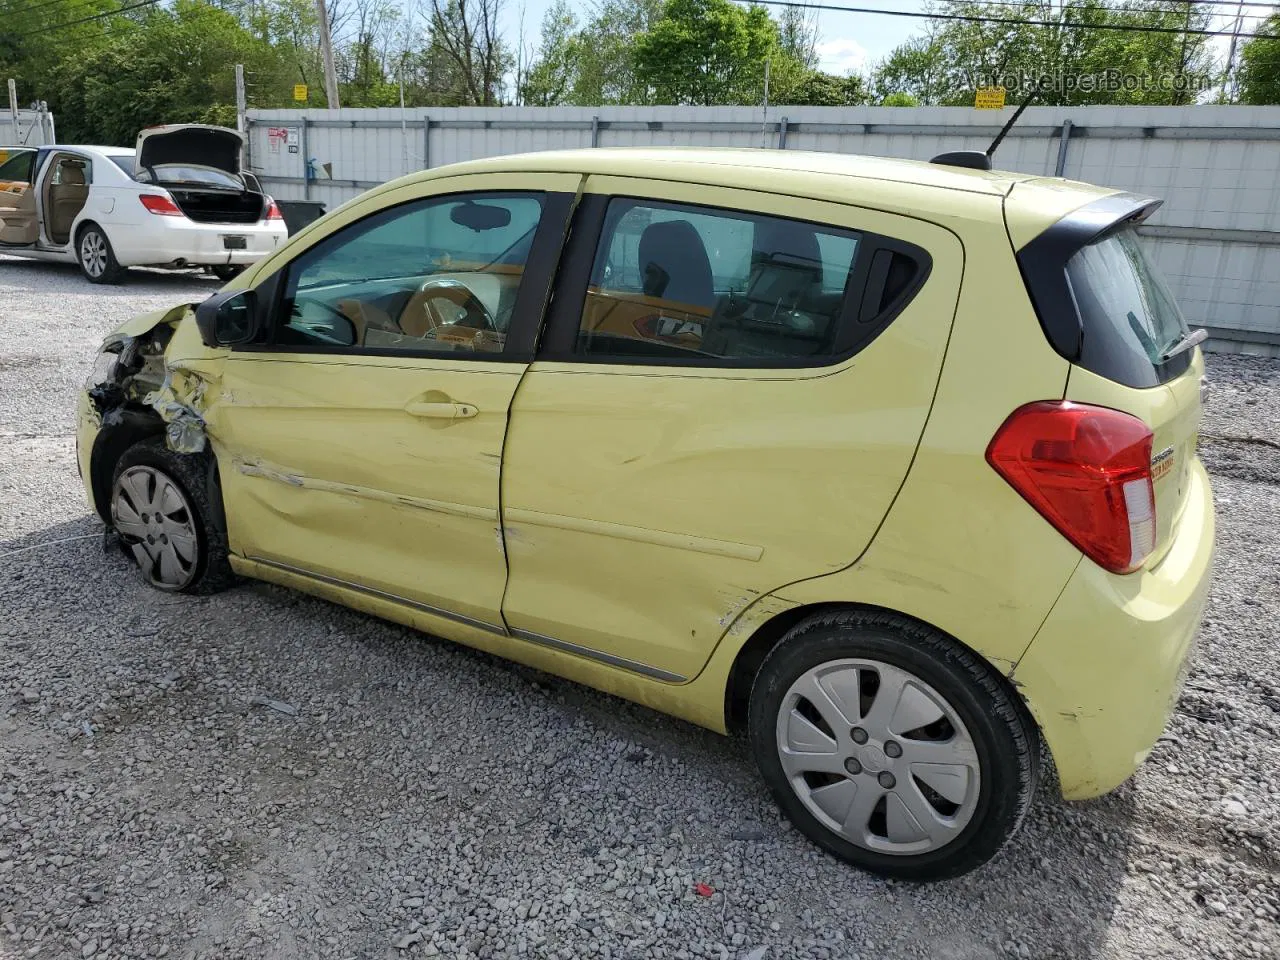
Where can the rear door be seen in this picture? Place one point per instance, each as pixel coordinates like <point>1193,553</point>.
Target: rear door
<point>727,398</point>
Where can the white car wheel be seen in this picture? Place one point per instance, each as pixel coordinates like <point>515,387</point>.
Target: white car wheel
<point>97,259</point>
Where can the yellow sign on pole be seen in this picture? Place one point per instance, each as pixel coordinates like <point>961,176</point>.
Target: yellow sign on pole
<point>300,91</point>
<point>989,98</point>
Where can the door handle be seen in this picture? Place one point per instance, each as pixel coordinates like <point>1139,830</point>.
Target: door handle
<point>448,410</point>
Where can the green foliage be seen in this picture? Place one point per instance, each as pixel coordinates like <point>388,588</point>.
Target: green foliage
<point>107,78</point>
<point>551,79</point>
<point>941,66</point>
<point>817,89</point>
<point>173,66</point>
<point>1260,67</point>
<point>898,100</point>
<point>707,52</point>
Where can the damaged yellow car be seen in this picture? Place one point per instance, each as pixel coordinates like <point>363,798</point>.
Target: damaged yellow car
<point>889,465</point>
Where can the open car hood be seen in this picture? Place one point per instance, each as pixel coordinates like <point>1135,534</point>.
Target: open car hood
<point>192,143</point>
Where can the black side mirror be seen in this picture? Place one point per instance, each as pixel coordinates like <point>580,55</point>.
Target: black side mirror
<point>228,318</point>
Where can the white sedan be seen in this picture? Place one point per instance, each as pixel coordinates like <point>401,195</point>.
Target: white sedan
<point>178,199</point>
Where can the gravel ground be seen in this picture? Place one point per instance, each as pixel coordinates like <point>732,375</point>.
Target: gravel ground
<point>263,774</point>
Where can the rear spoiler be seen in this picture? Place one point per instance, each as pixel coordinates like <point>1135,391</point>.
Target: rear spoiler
<point>1043,262</point>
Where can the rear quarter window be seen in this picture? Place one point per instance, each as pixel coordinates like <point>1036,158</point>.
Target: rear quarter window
<point>1100,299</point>
<point>1128,317</point>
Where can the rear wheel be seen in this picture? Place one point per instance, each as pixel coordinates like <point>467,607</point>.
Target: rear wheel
<point>227,271</point>
<point>97,260</point>
<point>161,508</point>
<point>891,746</point>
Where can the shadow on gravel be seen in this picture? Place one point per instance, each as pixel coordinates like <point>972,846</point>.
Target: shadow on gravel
<point>17,274</point>
<point>59,536</point>
<point>577,771</point>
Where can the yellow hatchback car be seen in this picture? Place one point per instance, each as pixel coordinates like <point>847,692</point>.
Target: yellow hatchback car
<point>890,465</point>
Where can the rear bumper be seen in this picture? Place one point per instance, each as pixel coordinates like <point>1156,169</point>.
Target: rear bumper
<point>195,244</point>
<point>1106,668</point>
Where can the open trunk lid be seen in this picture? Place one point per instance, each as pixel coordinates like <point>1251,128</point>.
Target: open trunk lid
<point>189,143</point>
<point>1105,306</point>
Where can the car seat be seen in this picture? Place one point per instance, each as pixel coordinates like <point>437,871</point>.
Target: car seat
<point>67,198</point>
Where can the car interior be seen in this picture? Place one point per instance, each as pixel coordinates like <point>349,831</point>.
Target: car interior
<point>780,309</point>
<point>66,193</point>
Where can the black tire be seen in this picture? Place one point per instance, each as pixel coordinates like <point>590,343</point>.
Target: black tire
<point>191,474</point>
<point>1003,736</point>
<point>227,271</point>
<point>97,259</point>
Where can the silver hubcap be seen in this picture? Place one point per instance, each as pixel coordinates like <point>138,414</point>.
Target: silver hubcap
<point>878,756</point>
<point>93,253</point>
<point>157,523</point>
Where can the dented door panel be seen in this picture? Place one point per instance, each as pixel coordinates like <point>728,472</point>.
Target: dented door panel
<point>646,506</point>
<point>324,470</point>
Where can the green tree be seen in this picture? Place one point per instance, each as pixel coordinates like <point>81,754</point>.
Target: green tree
<point>1260,67</point>
<point>175,66</point>
<point>35,37</point>
<point>707,52</point>
<point>1081,66</point>
<point>818,89</point>
<point>551,77</point>
<point>918,69</point>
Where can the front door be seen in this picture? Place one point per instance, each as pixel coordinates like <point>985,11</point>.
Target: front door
<point>729,394</point>
<point>363,444</point>
<point>19,226</point>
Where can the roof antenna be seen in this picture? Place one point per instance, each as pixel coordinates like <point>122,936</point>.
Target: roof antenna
<point>977,160</point>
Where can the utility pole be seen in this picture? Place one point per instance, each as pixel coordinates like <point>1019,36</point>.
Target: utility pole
<point>764,116</point>
<point>13,105</point>
<point>326,53</point>
<point>240,99</point>
<point>1229,85</point>
<point>242,125</point>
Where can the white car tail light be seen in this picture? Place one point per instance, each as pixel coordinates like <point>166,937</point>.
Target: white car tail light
<point>160,205</point>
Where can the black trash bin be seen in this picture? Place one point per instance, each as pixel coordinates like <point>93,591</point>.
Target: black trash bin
<point>298,213</point>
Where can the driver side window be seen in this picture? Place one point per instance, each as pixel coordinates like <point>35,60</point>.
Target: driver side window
<point>437,276</point>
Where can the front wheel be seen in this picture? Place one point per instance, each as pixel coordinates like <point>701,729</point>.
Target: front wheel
<point>891,746</point>
<point>162,509</point>
<point>97,260</point>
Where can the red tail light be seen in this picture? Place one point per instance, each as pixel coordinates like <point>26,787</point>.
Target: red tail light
<point>161,205</point>
<point>273,211</point>
<point>1087,470</point>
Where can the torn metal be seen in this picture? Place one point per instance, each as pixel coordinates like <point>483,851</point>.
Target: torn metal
<point>141,377</point>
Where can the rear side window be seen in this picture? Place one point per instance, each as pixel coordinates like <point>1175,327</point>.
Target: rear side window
<point>681,282</point>
<point>1128,317</point>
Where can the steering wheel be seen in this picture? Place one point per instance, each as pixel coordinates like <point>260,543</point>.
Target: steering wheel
<point>471,313</point>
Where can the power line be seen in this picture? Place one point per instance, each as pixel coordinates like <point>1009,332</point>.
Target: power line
<point>1012,21</point>
<point>72,23</point>
<point>1034,4</point>
<point>14,10</point>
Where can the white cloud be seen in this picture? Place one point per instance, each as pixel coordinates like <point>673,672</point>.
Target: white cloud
<point>842,55</point>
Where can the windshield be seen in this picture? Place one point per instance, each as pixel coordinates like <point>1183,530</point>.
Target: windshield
<point>183,173</point>
<point>124,162</point>
<point>1125,307</point>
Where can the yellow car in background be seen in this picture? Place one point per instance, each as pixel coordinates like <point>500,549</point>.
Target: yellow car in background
<point>890,465</point>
